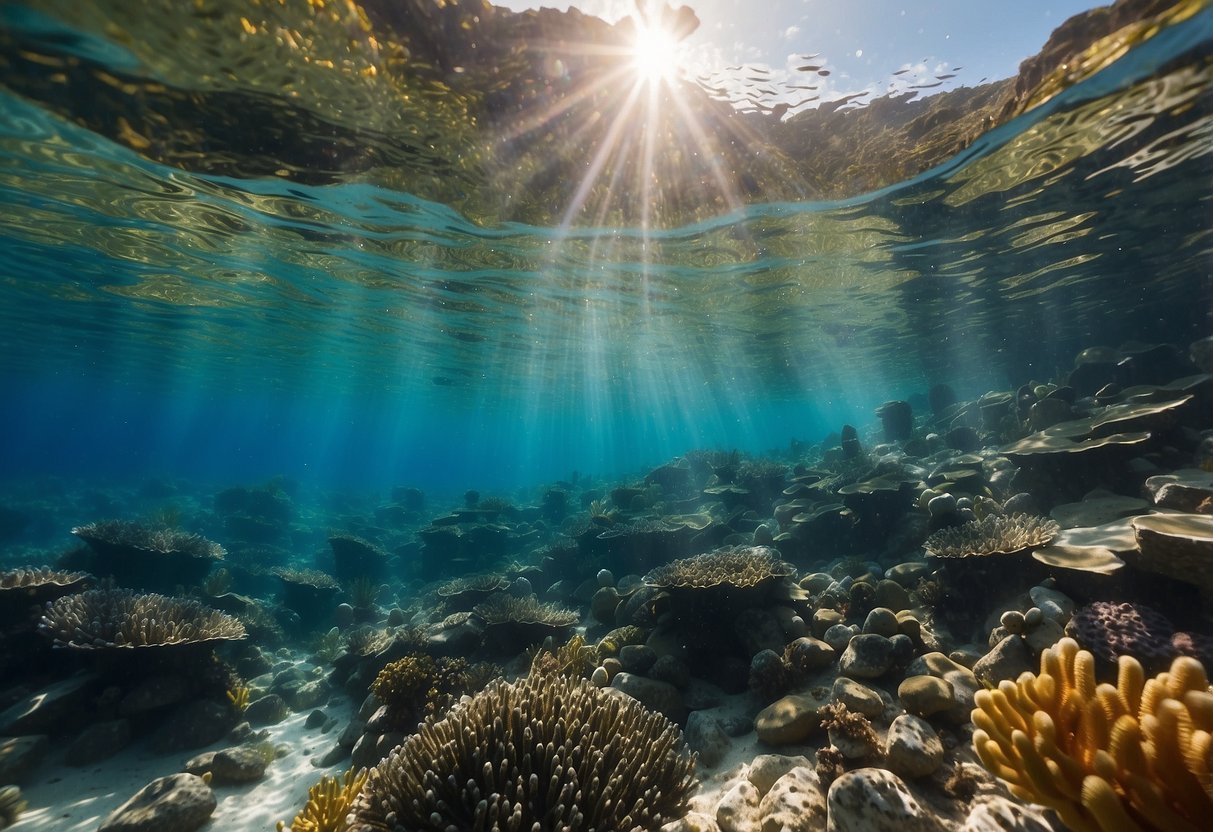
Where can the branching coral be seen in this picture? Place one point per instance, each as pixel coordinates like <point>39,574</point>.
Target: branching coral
<point>1134,756</point>
<point>419,686</point>
<point>573,658</point>
<point>118,618</point>
<point>11,806</point>
<point>506,609</point>
<point>992,535</point>
<point>328,803</point>
<point>546,752</point>
<point>32,579</point>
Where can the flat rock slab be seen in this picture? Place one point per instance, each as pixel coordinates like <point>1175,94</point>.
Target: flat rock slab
<point>19,756</point>
<point>177,803</point>
<point>58,707</point>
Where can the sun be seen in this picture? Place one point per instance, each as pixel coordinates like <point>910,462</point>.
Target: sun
<point>656,53</point>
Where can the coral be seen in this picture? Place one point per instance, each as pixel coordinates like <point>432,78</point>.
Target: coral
<point>619,638</point>
<point>238,697</point>
<point>11,806</point>
<point>326,646</point>
<point>573,658</point>
<point>217,582</point>
<point>736,566</point>
<point>307,577</point>
<point>830,764</point>
<point>328,803</point>
<point>1132,756</point>
<point>1111,630</point>
<point>261,626</point>
<point>364,641</point>
<point>119,535</point>
<point>855,726</point>
<point>355,558</point>
<point>545,752</point>
<point>31,579</point>
<point>466,592</point>
<point>419,686</point>
<point>362,593</point>
<point>506,609</point>
<point>118,618</point>
<point>994,535</point>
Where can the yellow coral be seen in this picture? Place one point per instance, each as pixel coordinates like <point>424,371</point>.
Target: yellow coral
<point>328,803</point>
<point>1128,757</point>
<point>238,697</point>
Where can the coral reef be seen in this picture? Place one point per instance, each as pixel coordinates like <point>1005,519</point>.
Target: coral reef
<point>467,591</point>
<point>547,751</point>
<point>328,803</point>
<point>117,618</point>
<point>993,535</point>
<point>1134,756</point>
<point>355,558</point>
<point>23,590</point>
<point>514,623</point>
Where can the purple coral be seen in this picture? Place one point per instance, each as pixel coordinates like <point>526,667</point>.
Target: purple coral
<point>1111,630</point>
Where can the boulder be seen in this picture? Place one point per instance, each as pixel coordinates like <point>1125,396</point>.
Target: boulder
<point>795,803</point>
<point>913,748</point>
<point>99,742</point>
<point>874,800</point>
<point>177,803</point>
<point>791,719</point>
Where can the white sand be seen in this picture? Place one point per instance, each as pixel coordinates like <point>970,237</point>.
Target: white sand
<point>66,799</point>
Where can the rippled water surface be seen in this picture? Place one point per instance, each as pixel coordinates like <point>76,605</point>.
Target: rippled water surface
<point>166,303</point>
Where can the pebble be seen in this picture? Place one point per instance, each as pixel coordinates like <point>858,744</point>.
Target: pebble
<point>1053,604</point>
<point>637,658</point>
<point>796,803</point>
<point>926,695</point>
<point>705,736</point>
<point>768,768</point>
<point>1006,660</point>
<point>995,813</point>
<point>654,695</point>
<point>857,697</point>
<point>824,619</point>
<point>881,621</point>
<point>692,822</point>
<point>1043,636</point>
<point>839,636</point>
<point>738,809</point>
<point>892,595</point>
<point>867,656</point>
<point>790,719</point>
<point>874,800</point>
<point>605,577</point>
<point>808,653</point>
<point>907,574</point>
<point>913,748</point>
<point>964,683</point>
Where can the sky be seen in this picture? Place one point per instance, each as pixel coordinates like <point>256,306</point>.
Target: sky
<point>860,43</point>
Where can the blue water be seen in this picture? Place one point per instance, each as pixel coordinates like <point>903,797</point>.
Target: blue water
<point>161,323</point>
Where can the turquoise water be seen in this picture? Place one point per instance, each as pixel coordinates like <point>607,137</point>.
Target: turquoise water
<point>158,321</point>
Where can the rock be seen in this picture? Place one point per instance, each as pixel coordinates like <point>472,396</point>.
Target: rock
<point>303,696</point>
<point>738,809</point>
<point>19,756</point>
<point>1021,503</point>
<point>604,604</point>
<point>239,764</point>
<point>152,693</point>
<point>839,636</point>
<point>908,574</point>
<point>654,695</point>
<point>1053,604</point>
<point>766,769</point>
<point>98,742</point>
<point>857,697</point>
<point>964,683</point>
<point>807,654</point>
<point>706,737</point>
<point>672,670</point>
<point>332,757</point>
<point>909,626</point>
<point>700,695</point>
<point>692,822</point>
<point>268,710</point>
<point>881,620</point>
<point>371,748</point>
<point>913,748</point>
<point>867,656</point>
<point>824,619</point>
<point>350,734</point>
<point>874,800</point>
<point>892,595</point>
<point>315,719</point>
<point>790,719</point>
<point>796,803</point>
<point>1044,635</point>
<point>63,706</point>
<point>994,813</point>
<point>926,695</point>
<point>637,658</point>
<point>1183,490</point>
<point>1006,660</point>
<point>194,725</point>
<point>177,803</point>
